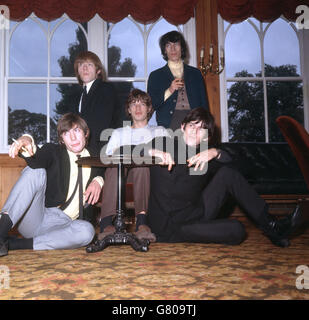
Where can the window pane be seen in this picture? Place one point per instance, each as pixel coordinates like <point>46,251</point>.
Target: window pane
<point>63,98</point>
<point>28,50</point>
<point>281,49</point>
<point>27,111</point>
<point>284,98</point>
<point>125,50</point>
<point>67,42</point>
<point>246,111</point>
<point>123,90</point>
<point>154,56</point>
<point>242,51</point>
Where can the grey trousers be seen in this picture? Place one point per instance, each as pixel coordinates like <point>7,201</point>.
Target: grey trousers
<point>50,228</point>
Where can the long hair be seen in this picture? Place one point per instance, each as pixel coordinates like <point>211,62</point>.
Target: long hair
<point>173,36</point>
<point>204,116</point>
<point>88,55</point>
<point>136,95</point>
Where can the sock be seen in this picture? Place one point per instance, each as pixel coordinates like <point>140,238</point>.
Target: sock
<point>5,226</point>
<point>107,221</point>
<point>140,219</point>
<point>20,243</point>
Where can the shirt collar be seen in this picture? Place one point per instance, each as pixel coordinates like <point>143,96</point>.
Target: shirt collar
<point>84,153</point>
<point>89,84</point>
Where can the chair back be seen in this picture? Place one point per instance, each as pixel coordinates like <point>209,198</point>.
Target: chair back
<point>298,139</point>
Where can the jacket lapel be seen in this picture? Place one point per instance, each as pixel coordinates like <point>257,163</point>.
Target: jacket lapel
<point>90,95</point>
<point>65,169</point>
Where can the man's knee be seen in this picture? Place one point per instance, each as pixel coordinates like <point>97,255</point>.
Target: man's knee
<point>85,232</point>
<point>35,176</point>
<point>237,232</point>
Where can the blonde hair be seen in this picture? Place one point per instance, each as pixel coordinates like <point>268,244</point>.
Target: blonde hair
<point>88,55</point>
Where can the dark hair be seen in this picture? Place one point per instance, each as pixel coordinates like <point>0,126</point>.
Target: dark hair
<point>201,115</point>
<point>136,95</point>
<point>68,121</point>
<point>173,36</point>
<point>88,55</point>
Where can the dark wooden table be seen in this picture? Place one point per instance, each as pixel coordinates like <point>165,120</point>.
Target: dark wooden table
<point>120,236</point>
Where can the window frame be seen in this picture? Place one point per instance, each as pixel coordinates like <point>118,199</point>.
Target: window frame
<point>97,42</point>
<point>303,39</point>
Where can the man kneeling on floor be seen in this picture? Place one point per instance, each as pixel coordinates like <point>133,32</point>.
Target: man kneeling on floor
<point>45,199</point>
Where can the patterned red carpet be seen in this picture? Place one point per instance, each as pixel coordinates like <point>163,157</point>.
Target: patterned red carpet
<point>254,270</point>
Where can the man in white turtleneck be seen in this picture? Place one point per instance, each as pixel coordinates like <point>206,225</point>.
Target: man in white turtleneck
<point>139,109</point>
<point>176,88</point>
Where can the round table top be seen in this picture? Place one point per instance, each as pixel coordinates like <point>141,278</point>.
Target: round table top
<point>113,161</point>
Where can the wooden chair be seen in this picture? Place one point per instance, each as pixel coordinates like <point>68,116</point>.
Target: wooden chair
<point>298,139</point>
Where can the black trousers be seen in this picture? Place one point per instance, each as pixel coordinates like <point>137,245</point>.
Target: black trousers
<point>209,229</point>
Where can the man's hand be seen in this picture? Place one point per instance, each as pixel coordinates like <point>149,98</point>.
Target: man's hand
<point>200,159</point>
<point>164,156</point>
<point>92,194</point>
<point>23,143</point>
<point>176,85</point>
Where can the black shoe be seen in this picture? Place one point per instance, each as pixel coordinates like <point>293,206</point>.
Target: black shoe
<point>296,219</point>
<point>4,248</point>
<point>277,231</point>
<point>279,242</point>
<point>5,226</point>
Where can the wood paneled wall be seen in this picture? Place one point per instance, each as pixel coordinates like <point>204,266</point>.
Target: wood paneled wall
<point>206,16</point>
<point>9,173</point>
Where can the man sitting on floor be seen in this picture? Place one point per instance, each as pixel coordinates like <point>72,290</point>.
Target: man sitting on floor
<point>139,109</point>
<point>185,199</point>
<point>45,199</point>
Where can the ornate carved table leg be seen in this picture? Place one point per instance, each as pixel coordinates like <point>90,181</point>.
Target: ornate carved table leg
<point>120,236</point>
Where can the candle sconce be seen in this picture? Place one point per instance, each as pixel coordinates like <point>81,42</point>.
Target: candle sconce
<point>209,67</point>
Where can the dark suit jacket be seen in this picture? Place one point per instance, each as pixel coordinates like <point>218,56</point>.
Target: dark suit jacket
<point>175,196</point>
<point>55,159</point>
<point>102,111</point>
<point>160,80</point>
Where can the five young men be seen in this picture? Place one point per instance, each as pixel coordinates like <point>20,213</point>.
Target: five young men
<point>178,201</point>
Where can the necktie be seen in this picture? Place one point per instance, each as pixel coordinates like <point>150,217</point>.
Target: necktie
<point>84,99</point>
<point>80,185</point>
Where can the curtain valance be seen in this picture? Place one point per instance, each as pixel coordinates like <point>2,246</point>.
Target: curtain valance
<point>143,11</point>
<point>235,11</point>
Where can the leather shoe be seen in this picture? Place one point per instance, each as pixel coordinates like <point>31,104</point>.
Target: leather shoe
<point>4,248</point>
<point>144,232</point>
<point>276,231</point>
<point>298,218</point>
<point>106,232</point>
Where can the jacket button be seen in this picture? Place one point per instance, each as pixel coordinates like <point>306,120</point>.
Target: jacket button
<point>171,112</point>
<point>174,100</point>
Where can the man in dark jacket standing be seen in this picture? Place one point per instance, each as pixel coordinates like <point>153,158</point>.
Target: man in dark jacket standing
<point>99,104</point>
<point>45,199</point>
<point>176,88</point>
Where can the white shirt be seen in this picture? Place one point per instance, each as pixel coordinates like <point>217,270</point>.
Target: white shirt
<point>133,136</point>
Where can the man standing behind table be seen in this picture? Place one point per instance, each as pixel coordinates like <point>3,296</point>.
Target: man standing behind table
<point>176,88</point>
<point>99,104</point>
<point>45,199</point>
<point>139,109</point>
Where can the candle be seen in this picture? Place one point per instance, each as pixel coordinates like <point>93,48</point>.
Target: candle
<point>202,53</point>
<point>211,50</point>
<point>221,53</point>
